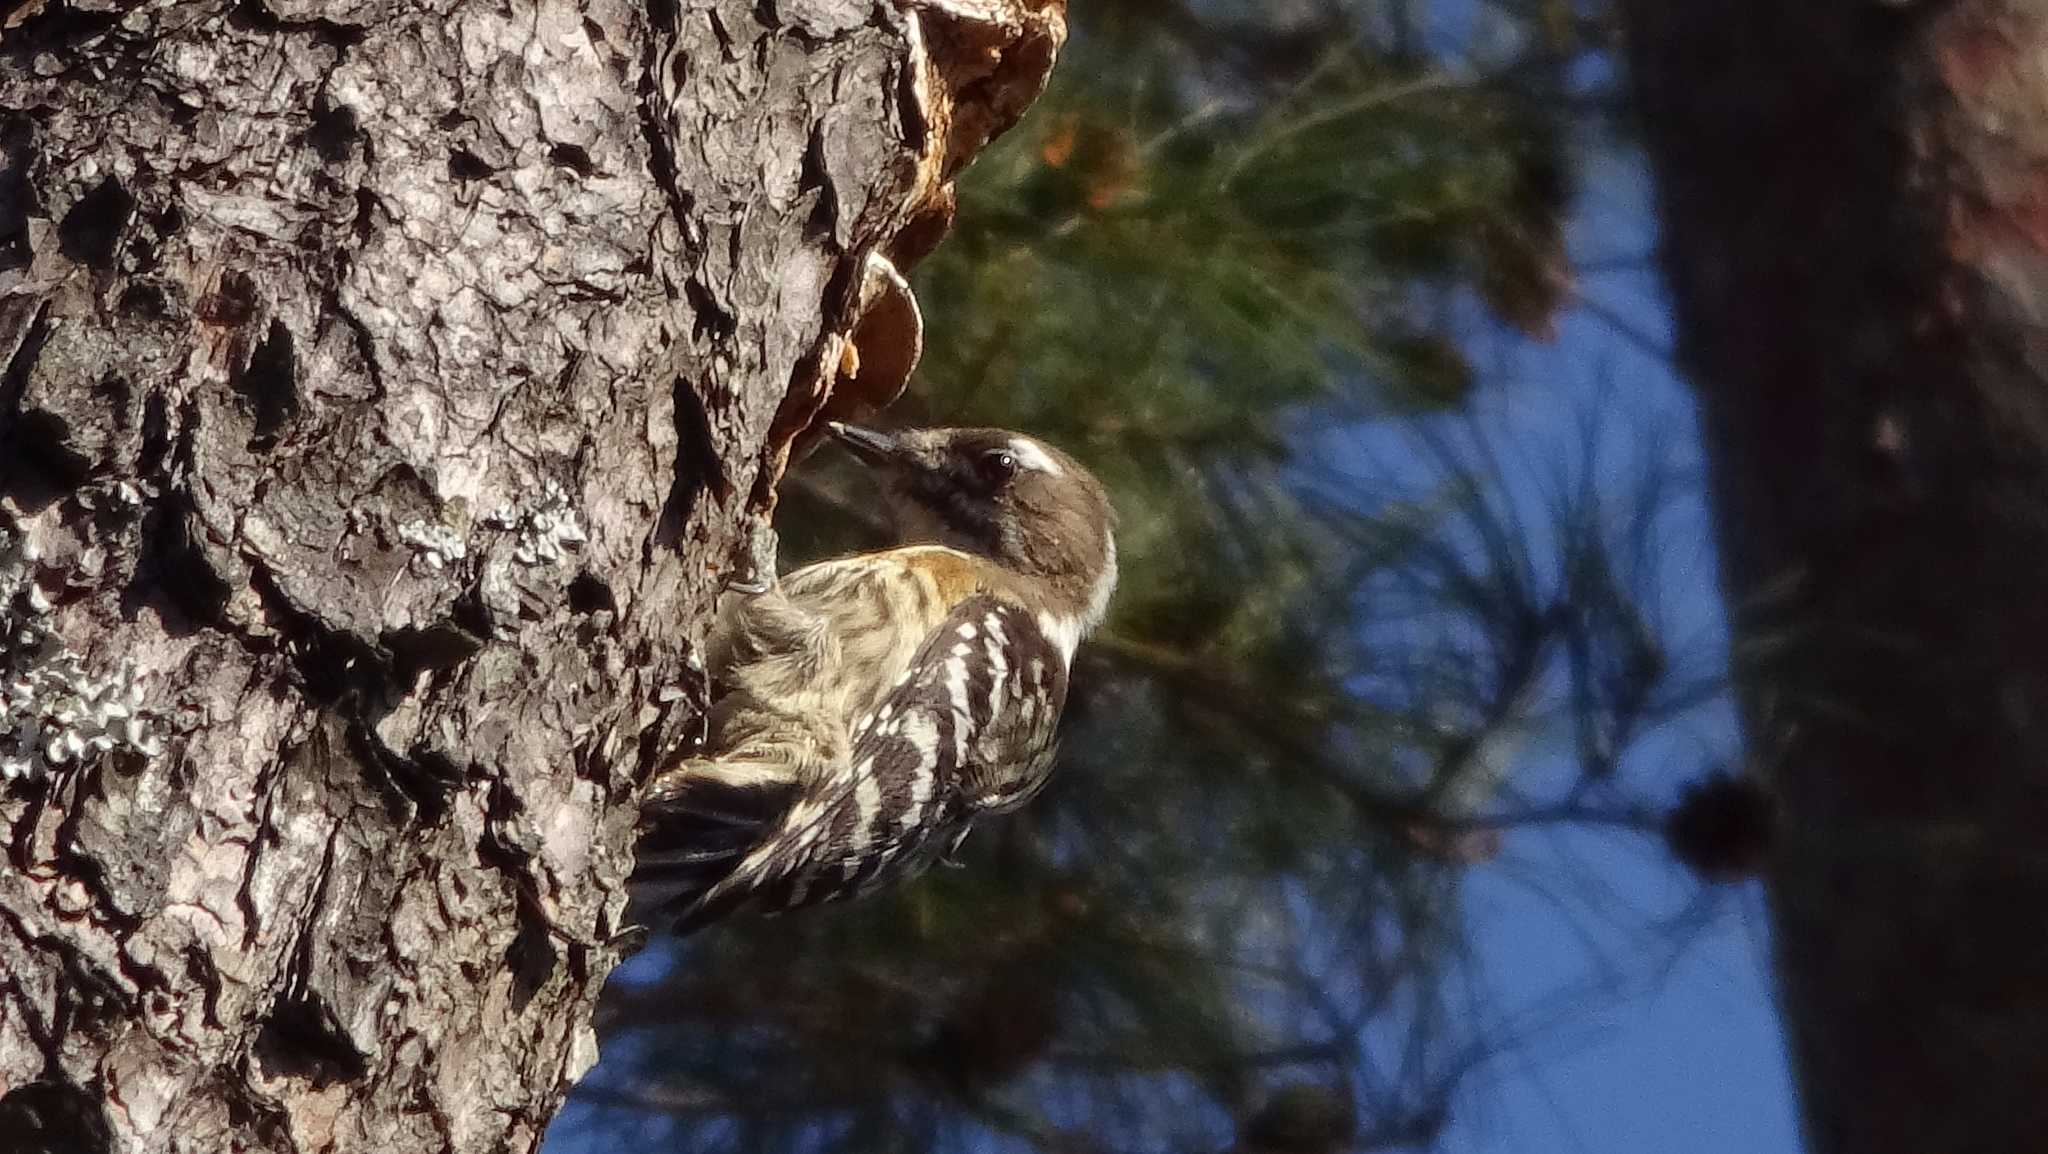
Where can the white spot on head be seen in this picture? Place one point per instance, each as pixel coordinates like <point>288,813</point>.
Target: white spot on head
<point>1031,455</point>
<point>1105,586</point>
<point>1064,632</point>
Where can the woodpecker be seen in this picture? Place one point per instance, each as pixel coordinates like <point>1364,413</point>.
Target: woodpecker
<point>869,710</point>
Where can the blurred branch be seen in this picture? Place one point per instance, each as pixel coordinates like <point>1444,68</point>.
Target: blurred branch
<point>1155,1060</point>
<point>658,1098</point>
<point>1283,131</point>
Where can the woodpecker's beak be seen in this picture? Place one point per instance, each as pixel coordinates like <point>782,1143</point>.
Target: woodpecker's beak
<point>867,444</point>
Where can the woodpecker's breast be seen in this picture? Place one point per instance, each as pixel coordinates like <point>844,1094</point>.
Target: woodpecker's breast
<point>965,731</point>
<point>880,704</point>
<point>836,635</point>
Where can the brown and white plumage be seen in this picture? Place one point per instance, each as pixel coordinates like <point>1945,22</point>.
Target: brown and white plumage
<point>873,707</point>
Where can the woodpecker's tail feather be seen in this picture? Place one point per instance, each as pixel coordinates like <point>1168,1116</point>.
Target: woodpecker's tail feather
<point>698,822</point>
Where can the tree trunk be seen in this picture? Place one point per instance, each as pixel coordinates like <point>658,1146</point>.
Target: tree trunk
<point>1855,199</point>
<point>388,390</point>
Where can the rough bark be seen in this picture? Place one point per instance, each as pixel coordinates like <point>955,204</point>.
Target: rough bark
<point>388,388</point>
<point>1855,198</point>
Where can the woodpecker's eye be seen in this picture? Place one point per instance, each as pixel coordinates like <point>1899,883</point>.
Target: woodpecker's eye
<point>999,466</point>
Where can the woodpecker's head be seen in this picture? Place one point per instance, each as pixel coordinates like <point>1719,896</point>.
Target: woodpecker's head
<point>1011,498</point>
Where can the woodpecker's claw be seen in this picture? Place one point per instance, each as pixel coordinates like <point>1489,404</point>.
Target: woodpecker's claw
<point>630,940</point>
<point>756,574</point>
<point>951,857</point>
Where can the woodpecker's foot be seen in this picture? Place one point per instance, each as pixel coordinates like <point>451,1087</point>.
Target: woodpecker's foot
<point>630,940</point>
<point>756,572</point>
<point>951,857</point>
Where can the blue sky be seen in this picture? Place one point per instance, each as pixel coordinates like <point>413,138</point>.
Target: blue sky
<point>1647,996</point>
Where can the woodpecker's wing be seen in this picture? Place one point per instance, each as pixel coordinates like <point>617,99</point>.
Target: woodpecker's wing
<point>966,731</point>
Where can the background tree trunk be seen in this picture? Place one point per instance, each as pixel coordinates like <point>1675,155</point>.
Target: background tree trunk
<point>1854,199</point>
<point>388,389</point>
